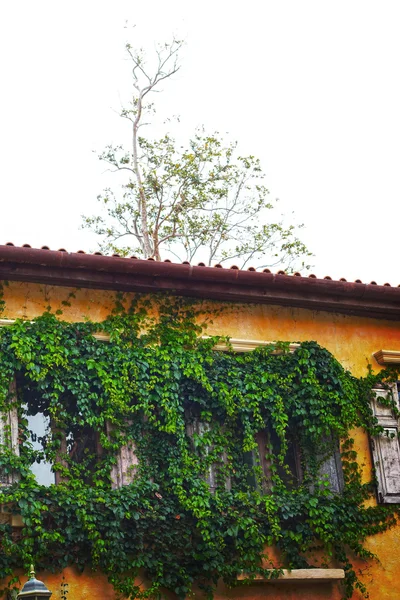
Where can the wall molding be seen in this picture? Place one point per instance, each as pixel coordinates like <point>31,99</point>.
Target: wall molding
<point>242,345</point>
<point>387,357</point>
<point>234,344</point>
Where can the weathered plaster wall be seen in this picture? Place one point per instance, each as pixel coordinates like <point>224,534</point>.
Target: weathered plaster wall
<point>352,340</point>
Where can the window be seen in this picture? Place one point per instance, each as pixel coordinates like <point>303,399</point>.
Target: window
<point>385,446</point>
<point>293,474</point>
<point>257,463</point>
<point>77,445</point>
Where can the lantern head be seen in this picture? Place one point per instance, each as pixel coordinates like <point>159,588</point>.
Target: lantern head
<point>34,589</point>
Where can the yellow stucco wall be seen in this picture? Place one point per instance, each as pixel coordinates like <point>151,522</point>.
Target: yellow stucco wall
<point>351,339</point>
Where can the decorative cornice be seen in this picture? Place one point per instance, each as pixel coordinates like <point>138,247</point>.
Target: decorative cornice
<point>387,357</point>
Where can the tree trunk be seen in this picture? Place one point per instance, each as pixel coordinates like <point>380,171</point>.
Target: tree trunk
<point>147,246</point>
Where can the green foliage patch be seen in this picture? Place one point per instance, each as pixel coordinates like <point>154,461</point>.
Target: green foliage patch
<point>154,379</point>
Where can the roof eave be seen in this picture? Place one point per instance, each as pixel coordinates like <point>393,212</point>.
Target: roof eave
<point>233,285</point>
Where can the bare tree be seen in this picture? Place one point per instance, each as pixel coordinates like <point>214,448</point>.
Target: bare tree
<point>203,201</point>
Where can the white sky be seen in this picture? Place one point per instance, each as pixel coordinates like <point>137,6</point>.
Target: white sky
<point>311,87</point>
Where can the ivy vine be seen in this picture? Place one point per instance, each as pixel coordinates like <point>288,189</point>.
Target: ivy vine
<point>156,376</point>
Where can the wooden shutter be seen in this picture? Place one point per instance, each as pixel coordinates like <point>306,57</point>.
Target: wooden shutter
<point>386,447</point>
<point>258,457</point>
<point>58,433</point>
<point>123,472</point>
<point>197,427</point>
<point>200,428</point>
<point>331,467</point>
<point>9,433</point>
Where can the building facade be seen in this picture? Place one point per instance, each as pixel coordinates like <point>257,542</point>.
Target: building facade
<point>358,323</point>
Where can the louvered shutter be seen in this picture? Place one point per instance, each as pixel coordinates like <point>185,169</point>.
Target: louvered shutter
<point>386,447</point>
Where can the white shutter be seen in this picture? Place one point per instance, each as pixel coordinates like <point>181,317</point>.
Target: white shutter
<point>9,433</point>
<point>386,446</point>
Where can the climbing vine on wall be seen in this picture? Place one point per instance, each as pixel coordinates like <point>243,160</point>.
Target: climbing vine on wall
<point>152,386</point>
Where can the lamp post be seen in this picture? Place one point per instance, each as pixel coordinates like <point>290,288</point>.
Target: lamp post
<point>34,589</point>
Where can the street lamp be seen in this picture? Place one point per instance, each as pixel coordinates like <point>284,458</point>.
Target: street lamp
<point>34,589</point>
